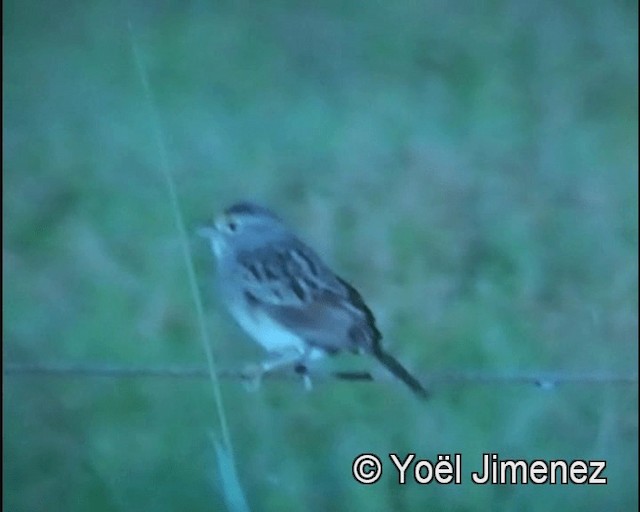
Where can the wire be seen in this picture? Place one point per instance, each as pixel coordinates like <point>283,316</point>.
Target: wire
<point>541,379</point>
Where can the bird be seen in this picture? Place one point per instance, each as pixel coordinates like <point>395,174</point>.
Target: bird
<point>286,298</point>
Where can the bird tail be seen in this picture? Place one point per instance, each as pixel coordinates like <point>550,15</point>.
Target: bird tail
<point>394,366</point>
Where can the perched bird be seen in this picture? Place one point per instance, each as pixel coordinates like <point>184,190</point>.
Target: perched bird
<point>285,297</point>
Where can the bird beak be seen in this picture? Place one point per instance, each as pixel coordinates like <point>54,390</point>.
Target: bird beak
<point>207,231</point>
<point>211,231</point>
<point>213,235</point>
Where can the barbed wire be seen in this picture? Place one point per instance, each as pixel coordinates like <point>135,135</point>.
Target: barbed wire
<point>544,380</point>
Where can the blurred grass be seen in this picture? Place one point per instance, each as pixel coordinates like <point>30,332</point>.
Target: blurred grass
<point>472,168</point>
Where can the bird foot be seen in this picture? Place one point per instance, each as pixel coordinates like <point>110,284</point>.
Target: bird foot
<point>302,370</point>
<point>252,377</point>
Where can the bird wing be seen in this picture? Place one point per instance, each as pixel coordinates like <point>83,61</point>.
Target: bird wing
<point>294,287</point>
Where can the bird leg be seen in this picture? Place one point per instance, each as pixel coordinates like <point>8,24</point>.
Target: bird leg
<point>253,373</point>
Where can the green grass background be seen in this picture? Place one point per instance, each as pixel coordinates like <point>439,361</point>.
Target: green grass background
<point>470,166</point>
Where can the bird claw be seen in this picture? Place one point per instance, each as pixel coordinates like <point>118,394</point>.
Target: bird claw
<point>252,377</point>
<point>302,370</point>
<point>306,381</point>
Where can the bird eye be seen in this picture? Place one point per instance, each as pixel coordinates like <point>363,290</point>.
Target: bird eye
<point>233,226</point>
